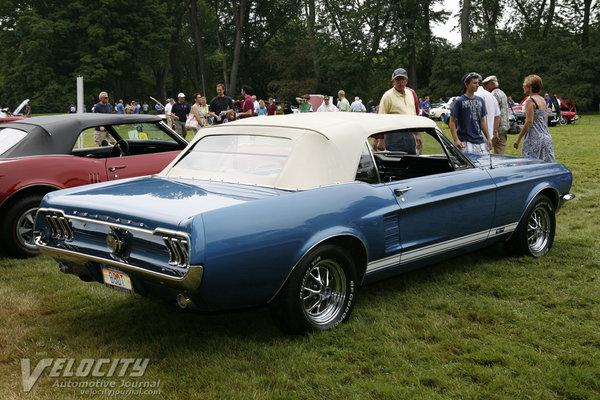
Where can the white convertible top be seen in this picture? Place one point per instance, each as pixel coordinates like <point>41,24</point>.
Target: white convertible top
<point>326,146</point>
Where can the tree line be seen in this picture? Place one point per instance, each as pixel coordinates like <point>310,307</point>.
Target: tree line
<point>283,49</point>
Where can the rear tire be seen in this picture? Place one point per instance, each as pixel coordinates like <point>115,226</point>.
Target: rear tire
<point>319,294</point>
<point>17,230</point>
<point>535,233</point>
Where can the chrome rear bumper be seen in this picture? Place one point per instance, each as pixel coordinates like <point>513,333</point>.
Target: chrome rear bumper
<point>189,282</point>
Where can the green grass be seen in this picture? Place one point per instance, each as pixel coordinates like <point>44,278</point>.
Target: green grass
<point>481,326</point>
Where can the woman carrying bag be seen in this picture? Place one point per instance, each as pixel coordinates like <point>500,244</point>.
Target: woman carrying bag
<point>196,119</point>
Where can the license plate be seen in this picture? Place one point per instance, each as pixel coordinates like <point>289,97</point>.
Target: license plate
<point>117,280</point>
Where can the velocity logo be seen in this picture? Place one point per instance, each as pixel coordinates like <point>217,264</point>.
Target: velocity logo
<point>87,367</point>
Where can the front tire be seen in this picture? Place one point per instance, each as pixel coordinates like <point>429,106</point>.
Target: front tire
<point>563,120</point>
<point>535,233</point>
<point>17,229</point>
<point>319,294</point>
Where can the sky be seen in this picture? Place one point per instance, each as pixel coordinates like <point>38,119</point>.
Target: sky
<point>446,30</point>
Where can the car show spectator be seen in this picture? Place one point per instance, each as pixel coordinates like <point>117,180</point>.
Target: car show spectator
<point>357,105</point>
<point>467,119</point>
<point>370,106</point>
<point>511,102</point>
<point>72,109</point>
<point>272,108</point>
<point>199,120</point>
<point>548,100</point>
<point>204,109</point>
<point>492,112</point>
<point>425,107</point>
<point>400,99</point>
<point>537,142</point>
<point>120,107</point>
<point>159,108</point>
<point>229,116</point>
<point>343,103</point>
<point>256,105</point>
<point>304,103</point>
<point>326,106</point>
<point>101,136</point>
<point>248,105</point>
<point>145,108</point>
<point>491,85</point>
<point>135,107</point>
<point>168,114</point>
<point>262,108</point>
<point>179,112</point>
<point>220,104</point>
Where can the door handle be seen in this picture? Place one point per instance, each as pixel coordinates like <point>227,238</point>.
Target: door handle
<point>400,192</point>
<point>113,169</point>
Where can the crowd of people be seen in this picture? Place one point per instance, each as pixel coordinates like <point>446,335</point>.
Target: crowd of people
<point>478,120</point>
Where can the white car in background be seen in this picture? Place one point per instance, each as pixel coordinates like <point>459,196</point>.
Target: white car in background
<point>439,111</point>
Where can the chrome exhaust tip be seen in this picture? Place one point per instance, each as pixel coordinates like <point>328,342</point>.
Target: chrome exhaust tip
<point>183,301</point>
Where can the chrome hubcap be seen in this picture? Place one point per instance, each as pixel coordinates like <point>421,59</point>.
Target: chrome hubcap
<point>323,291</point>
<point>538,229</point>
<point>24,229</point>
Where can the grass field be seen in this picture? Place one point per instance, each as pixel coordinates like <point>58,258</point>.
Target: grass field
<point>482,326</point>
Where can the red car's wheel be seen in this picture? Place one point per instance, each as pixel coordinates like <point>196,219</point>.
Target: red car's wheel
<point>17,229</point>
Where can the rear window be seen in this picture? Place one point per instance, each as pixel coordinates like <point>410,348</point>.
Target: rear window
<point>9,137</point>
<point>238,155</point>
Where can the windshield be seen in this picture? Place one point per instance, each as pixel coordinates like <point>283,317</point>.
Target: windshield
<point>10,137</point>
<point>231,157</point>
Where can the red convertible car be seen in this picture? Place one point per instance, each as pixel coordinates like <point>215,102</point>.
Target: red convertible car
<point>42,154</point>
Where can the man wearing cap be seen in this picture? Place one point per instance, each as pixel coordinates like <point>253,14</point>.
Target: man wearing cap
<point>491,85</point>
<point>467,119</point>
<point>401,99</point>
<point>326,106</point>
<point>179,112</point>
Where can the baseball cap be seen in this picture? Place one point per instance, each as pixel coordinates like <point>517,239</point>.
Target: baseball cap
<point>181,94</point>
<point>491,78</point>
<point>399,72</point>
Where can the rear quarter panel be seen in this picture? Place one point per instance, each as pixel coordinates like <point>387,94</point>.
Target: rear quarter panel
<point>252,248</point>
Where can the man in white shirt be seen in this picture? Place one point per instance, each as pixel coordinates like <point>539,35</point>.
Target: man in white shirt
<point>357,105</point>
<point>492,116</point>
<point>168,107</point>
<point>326,106</point>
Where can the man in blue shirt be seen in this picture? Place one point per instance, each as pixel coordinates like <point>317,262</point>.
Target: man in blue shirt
<point>103,106</point>
<point>470,133</point>
<point>121,107</point>
<point>179,112</point>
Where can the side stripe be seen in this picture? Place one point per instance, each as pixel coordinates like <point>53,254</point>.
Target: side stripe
<point>435,249</point>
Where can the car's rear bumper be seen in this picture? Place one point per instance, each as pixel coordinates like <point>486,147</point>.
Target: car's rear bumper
<point>68,258</point>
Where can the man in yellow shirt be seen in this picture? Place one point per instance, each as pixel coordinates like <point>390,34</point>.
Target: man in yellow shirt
<point>401,99</point>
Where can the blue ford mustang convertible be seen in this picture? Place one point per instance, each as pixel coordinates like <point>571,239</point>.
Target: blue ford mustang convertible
<point>297,212</point>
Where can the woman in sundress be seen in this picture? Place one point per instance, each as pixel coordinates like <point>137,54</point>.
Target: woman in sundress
<point>537,142</point>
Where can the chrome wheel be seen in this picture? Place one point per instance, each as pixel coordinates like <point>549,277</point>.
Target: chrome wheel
<point>24,229</point>
<point>538,229</point>
<point>323,292</point>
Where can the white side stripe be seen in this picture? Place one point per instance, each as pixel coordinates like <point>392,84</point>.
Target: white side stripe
<point>435,249</point>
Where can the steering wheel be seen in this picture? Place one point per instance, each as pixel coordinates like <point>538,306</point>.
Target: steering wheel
<point>121,148</point>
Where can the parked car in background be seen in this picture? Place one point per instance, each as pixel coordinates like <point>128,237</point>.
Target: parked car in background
<point>297,212</point>
<point>6,116</point>
<point>439,111</point>
<point>566,115</point>
<point>42,154</point>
